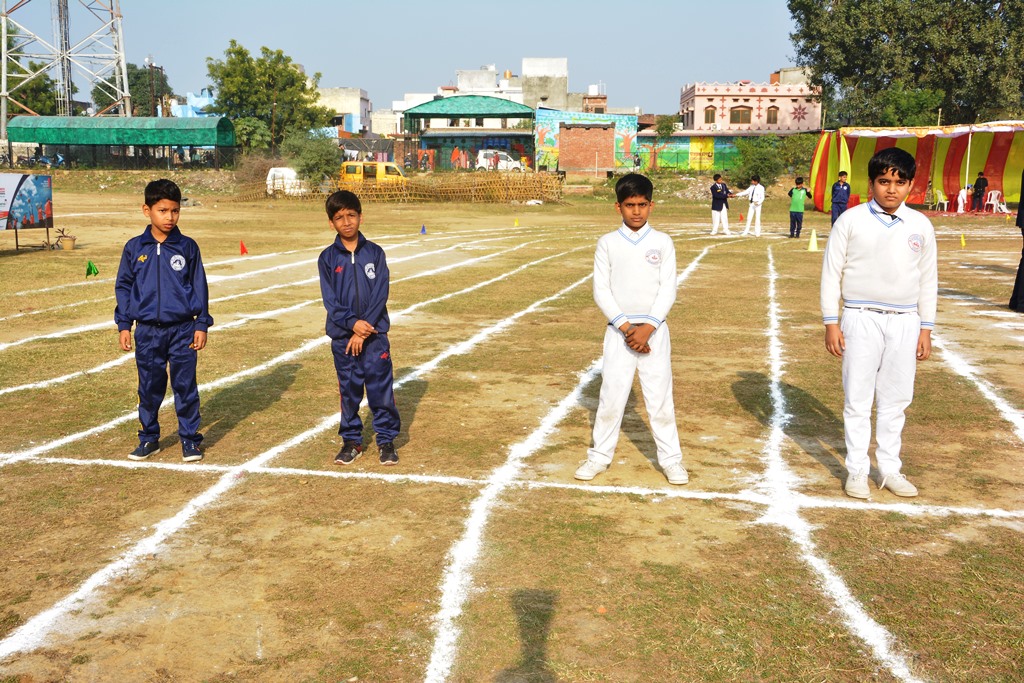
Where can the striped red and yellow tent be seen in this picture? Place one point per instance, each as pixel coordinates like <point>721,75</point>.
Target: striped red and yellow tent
<point>948,158</point>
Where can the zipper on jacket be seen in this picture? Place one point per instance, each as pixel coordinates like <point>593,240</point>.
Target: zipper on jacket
<point>355,283</point>
<point>158,282</point>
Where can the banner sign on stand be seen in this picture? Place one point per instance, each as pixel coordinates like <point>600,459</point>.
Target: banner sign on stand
<point>26,202</point>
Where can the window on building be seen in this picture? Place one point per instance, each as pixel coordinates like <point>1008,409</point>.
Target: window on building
<point>598,110</point>
<point>773,115</point>
<point>739,115</point>
<point>479,123</point>
<point>452,123</point>
<point>709,115</point>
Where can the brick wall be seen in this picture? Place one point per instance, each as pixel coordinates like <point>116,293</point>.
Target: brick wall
<point>586,147</point>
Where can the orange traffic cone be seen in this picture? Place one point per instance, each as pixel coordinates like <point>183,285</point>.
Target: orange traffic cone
<point>241,244</point>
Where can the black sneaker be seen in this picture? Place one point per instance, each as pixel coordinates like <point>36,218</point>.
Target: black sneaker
<point>388,454</point>
<point>350,450</point>
<point>145,449</point>
<point>190,452</point>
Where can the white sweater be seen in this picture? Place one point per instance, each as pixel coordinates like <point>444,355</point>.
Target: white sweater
<point>755,192</point>
<point>635,276</point>
<point>875,261</point>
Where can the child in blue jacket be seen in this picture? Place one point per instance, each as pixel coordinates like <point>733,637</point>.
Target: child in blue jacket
<point>161,288</point>
<point>354,283</point>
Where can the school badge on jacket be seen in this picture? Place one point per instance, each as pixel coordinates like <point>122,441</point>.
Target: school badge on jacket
<point>371,273</point>
<point>653,257</point>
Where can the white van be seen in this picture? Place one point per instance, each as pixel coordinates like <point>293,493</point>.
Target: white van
<point>496,160</point>
<point>285,181</point>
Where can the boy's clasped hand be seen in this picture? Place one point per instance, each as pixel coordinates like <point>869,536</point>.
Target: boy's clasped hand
<point>637,336</point>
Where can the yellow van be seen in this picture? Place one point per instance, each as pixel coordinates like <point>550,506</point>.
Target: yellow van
<point>358,172</point>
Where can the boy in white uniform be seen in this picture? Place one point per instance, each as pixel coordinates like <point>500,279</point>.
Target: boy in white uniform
<point>881,259</point>
<point>635,286</point>
<point>756,194</point>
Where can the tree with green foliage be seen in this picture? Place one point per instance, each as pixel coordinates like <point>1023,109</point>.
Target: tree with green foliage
<point>759,155</point>
<point>251,133</point>
<point>314,157</point>
<point>797,151</point>
<point>270,88</point>
<point>896,62</point>
<point>148,87</point>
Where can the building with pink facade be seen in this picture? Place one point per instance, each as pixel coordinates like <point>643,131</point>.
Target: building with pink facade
<point>786,104</point>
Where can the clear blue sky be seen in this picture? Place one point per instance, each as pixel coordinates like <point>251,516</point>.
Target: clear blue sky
<point>643,55</point>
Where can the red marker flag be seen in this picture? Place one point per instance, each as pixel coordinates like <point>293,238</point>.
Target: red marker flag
<point>242,245</point>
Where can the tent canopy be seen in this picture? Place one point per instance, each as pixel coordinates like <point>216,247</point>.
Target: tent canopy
<point>948,158</point>
<point>136,130</point>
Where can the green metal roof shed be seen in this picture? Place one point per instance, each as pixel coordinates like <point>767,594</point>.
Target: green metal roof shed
<point>467,106</point>
<point>208,131</point>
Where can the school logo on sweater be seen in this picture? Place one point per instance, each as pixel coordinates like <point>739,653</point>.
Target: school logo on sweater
<point>916,242</point>
<point>177,262</point>
<point>142,258</point>
<point>653,257</point>
<point>371,272</point>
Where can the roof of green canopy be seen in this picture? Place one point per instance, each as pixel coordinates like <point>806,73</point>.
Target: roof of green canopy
<point>479,106</point>
<point>117,130</point>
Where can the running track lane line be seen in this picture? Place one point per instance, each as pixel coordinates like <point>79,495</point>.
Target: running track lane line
<point>463,555</point>
<point>778,484</point>
<point>32,633</point>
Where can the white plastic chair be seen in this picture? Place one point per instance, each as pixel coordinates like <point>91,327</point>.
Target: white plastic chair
<point>940,200</point>
<point>994,199</point>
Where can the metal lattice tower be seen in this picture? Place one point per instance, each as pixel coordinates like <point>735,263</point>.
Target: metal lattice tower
<point>97,54</point>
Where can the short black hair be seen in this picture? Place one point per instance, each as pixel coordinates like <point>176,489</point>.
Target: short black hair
<point>634,185</point>
<point>718,176</point>
<point>892,159</point>
<point>799,180</point>
<point>162,189</point>
<point>843,173</point>
<point>342,199</point>
<point>756,177</point>
<point>981,173</point>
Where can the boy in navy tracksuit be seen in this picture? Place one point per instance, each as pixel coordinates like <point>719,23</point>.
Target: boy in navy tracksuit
<point>161,287</point>
<point>354,284</point>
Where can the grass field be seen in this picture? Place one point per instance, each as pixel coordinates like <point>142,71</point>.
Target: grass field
<point>479,557</point>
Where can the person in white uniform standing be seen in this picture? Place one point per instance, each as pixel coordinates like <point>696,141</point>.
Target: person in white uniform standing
<point>756,194</point>
<point>881,260</point>
<point>635,286</point>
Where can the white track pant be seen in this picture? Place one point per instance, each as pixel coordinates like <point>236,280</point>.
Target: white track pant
<point>755,216</point>
<point>620,364</point>
<point>720,217</point>
<point>879,364</point>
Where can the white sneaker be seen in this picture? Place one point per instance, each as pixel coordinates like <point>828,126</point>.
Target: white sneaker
<point>857,484</point>
<point>589,469</point>
<point>898,484</point>
<point>676,473</point>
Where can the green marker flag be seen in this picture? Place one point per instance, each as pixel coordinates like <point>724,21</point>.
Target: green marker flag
<point>91,269</point>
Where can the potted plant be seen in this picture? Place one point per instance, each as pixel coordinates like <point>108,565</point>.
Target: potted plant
<point>65,240</point>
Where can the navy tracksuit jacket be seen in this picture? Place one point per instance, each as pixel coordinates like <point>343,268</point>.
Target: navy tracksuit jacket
<point>354,286</point>
<point>161,287</point>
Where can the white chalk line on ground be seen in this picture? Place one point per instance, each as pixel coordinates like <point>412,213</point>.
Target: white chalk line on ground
<point>799,499</point>
<point>963,367</point>
<point>32,633</point>
<point>242,259</point>
<point>238,322</point>
<point>778,484</point>
<point>92,327</point>
<point>462,556</point>
<point>7,458</point>
<point>243,320</point>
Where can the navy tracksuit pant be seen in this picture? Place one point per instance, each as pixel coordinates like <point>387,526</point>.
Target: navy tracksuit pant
<point>796,223</point>
<point>370,370</point>
<point>155,347</point>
